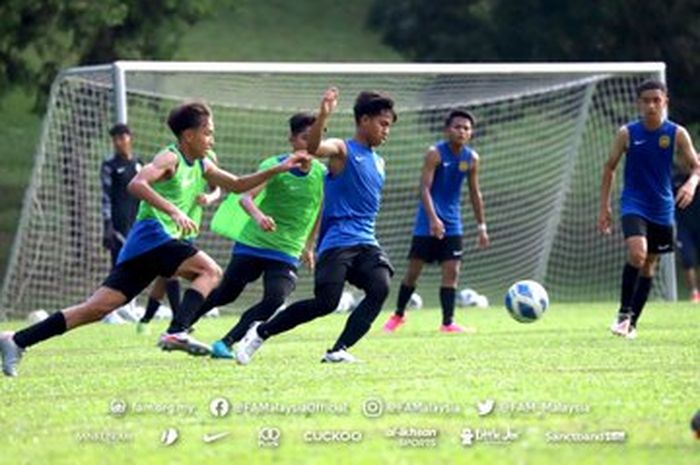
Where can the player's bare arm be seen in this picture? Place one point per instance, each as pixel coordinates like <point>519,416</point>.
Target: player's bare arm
<point>430,164</point>
<point>308,255</point>
<point>214,194</point>
<point>333,148</point>
<point>619,147</point>
<point>232,183</point>
<point>477,202</point>
<point>247,202</point>
<point>689,159</point>
<point>162,167</point>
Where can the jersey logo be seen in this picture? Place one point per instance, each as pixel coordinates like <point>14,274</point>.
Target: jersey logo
<point>120,170</point>
<point>463,166</point>
<point>638,142</point>
<point>664,141</point>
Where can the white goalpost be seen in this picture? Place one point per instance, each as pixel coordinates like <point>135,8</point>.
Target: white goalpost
<point>543,132</point>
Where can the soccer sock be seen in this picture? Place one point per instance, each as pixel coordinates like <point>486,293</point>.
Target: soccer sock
<point>191,302</point>
<point>54,325</point>
<point>405,293</point>
<point>172,290</point>
<point>447,301</point>
<point>629,282</point>
<point>641,294</point>
<point>151,309</point>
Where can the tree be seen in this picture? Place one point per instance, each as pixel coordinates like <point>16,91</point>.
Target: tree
<point>40,37</point>
<point>552,30</point>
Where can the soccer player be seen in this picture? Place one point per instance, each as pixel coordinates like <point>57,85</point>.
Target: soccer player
<point>651,145</point>
<point>688,239</point>
<point>347,247</point>
<point>156,246</point>
<point>119,209</point>
<point>276,230</point>
<point>437,235</point>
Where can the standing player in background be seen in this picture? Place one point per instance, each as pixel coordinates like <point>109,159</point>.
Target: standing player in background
<point>651,144</point>
<point>119,210</point>
<point>273,225</point>
<point>437,235</point>
<point>157,245</point>
<point>347,247</point>
<point>688,239</point>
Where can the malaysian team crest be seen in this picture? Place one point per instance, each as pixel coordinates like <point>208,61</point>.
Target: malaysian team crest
<point>664,142</point>
<point>463,166</point>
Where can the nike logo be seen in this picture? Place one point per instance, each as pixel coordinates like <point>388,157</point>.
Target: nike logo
<point>638,142</point>
<point>120,170</point>
<point>446,164</point>
<point>358,159</point>
<point>209,438</point>
<point>664,247</point>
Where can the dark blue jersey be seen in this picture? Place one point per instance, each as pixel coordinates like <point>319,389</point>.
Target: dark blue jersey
<point>648,190</point>
<point>118,206</point>
<point>446,191</point>
<point>351,199</point>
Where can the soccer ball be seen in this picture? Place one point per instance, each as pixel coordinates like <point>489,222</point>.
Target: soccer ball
<point>467,297</point>
<point>35,316</point>
<point>482,301</point>
<point>415,302</point>
<point>526,301</point>
<point>347,303</point>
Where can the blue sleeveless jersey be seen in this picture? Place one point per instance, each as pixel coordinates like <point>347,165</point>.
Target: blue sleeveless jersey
<point>351,199</point>
<point>446,191</point>
<point>648,186</point>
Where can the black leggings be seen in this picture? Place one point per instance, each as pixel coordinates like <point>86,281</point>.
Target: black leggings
<point>279,282</point>
<point>376,286</point>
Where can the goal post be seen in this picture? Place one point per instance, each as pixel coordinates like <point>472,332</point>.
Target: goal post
<point>543,133</point>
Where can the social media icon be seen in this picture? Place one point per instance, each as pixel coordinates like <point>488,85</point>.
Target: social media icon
<point>169,436</point>
<point>219,407</point>
<point>485,407</point>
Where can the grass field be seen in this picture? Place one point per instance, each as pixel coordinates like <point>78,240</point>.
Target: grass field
<point>57,411</point>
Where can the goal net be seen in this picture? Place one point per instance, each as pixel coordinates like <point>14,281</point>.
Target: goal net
<point>543,132</point>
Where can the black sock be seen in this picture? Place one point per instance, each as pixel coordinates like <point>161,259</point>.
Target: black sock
<point>405,293</point>
<point>54,325</point>
<point>172,290</point>
<point>151,309</point>
<point>191,302</point>
<point>641,294</point>
<point>447,301</point>
<point>629,282</point>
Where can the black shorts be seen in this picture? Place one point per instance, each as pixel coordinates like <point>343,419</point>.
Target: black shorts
<point>134,275</point>
<point>353,264</point>
<point>248,268</point>
<point>431,249</point>
<point>659,237</point>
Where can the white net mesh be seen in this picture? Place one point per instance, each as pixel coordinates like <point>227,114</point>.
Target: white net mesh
<point>542,137</point>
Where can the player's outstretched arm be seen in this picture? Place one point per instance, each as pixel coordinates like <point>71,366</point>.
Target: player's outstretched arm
<point>316,145</point>
<point>689,158</point>
<point>162,167</point>
<point>477,202</point>
<point>232,183</point>
<point>619,147</point>
<point>430,163</point>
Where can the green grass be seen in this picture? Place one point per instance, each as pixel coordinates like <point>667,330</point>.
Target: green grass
<point>647,387</point>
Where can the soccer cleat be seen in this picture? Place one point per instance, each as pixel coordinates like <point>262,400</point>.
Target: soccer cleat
<point>11,354</point>
<point>632,333</point>
<point>219,349</point>
<point>143,328</point>
<point>455,328</point>
<point>393,323</point>
<point>250,343</point>
<point>339,356</point>
<point>621,326</point>
<point>184,342</point>
<point>695,297</point>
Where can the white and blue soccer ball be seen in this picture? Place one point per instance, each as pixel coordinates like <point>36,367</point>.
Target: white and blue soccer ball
<point>467,297</point>
<point>526,301</point>
<point>415,302</point>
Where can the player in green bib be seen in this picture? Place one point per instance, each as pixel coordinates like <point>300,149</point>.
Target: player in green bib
<point>274,226</point>
<point>157,244</point>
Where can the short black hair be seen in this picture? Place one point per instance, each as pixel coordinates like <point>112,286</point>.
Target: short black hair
<point>651,84</point>
<point>372,103</point>
<point>119,129</point>
<point>300,121</point>
<point>189,115</point>
<point>459,113</point>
